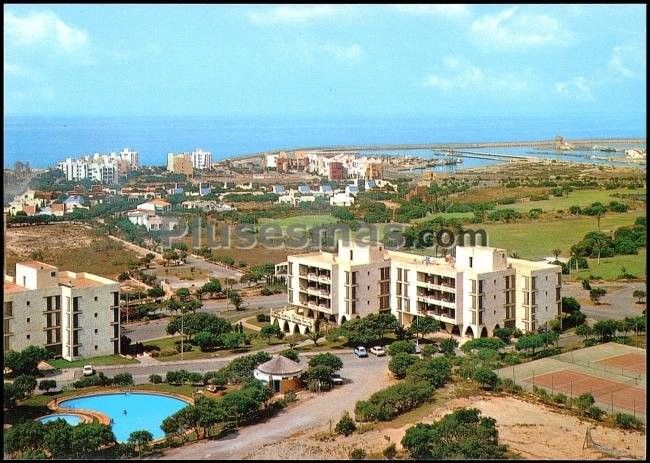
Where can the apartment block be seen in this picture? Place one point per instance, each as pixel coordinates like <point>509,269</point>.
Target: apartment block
<point>180,164</point>
<point>106,168</point>
<point>472,293</point>
<point>73,315</point>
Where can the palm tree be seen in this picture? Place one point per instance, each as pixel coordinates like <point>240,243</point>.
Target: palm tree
<point>556,252</point>
<point>514,255</point>
<point>599,243</point>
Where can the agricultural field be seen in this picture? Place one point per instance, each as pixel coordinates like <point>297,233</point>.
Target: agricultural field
<point>69,247</point>
<point>536,240</point>
<point>610,267</point>
<point>575,198</point>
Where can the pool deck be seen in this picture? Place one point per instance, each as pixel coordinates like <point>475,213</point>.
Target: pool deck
<point>93,415</point>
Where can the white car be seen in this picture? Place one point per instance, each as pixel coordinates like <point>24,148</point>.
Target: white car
<point>378,351</point>
<point>88,370</point>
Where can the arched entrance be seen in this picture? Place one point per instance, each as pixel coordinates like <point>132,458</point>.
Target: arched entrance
<point>484,333</point>
<point>496,327</point>
<point>469,332</point>
<point>455,330</point>
<point>285,326</point>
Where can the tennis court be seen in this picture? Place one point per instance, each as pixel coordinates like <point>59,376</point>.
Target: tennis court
<point>613,373</point>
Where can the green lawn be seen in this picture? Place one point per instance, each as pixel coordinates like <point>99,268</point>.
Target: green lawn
<point>535,240</point>
<point>575,198</point>
<point>253,321</point>
<point>303,221</point>
<point>97,361</point>
<point>445,215</point>
<point>610,267</point>
<point>257,343</point>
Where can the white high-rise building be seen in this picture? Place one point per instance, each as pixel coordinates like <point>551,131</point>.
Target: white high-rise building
<point>479,290</point>
<point>201,160</point>
<point>99,167</point>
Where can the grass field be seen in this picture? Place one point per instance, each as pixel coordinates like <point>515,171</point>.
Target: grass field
<point>575,198</point>
<point>538,239</point>
<point>257,343</point>
<point>96,361</point>
<point>445,215</point>
<point>610,267</point>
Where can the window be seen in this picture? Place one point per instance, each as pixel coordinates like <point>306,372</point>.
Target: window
<point>95,314</point>
<point>368,288</point>
<point>95,347</point>
<point>351,256</point>
<point>28,336</point>
<point>27,302</point>
<point>52,274</point>
<point>28,320</point>
<point>95,330</point>
<point>471,262</point>
<point>95,298</point>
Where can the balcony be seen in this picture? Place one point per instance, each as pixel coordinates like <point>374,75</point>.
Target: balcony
<point>433,300</point>
<point>447,317</point>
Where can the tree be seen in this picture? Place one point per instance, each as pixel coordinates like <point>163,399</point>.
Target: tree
<point>596,293</point>
<point>638,294</point>
<point>486,377</point>
<point>606,329</point>
<point>26,361</point>
<point>155,379</point>
<point>90,437</point>
<point>346,425</point>
<point>294,339</point>
<point>290,354</point>
<point>404,347</point>
<point>448,347</point>
<point>314,335</point>
<point>156,292</point>
<point>140,439</point>
<point>206,340</point>
<point>436,371</point>
<point>269,331</point>
<point>24,436</point>
<point>400,363</point>
<point>530,341</point>
<point>584,330</point>
<point>57,438</point>
<point>123,379</point>
<point>505,334</point>
<point>234,339</point>
<point>461,434</point>
<point>425,325</point>
<point>46,385</point>
<point>183,294</point>
<point>556,252</point>
<point>319,376</point>
<point>236,299</point>
<point>197,322</point>
<point>327,359</point>
<point>212,287</point>
<point>24,386</point>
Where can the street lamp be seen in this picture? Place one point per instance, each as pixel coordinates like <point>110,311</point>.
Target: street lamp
<point>182,335</point>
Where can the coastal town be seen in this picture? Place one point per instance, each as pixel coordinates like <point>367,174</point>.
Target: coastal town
<point>325,232</point>
<point>488,315</point>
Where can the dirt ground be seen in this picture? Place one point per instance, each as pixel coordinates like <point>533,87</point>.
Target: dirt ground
<point>69,247</point>
<point>531,430</point>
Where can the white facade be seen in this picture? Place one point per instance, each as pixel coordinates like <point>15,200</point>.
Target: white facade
<point>201,160</point>
<point>105,168</point>
<point>71,314</point>
<point>342,199</point>
<point>479,290</point>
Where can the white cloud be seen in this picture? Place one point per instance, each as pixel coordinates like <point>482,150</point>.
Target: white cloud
<point>43,28</point>
<point>628,61</point>
<point>457,73</point>
<point>450,10</point>
<point>293,14</point>
<point>577,88</point>
<point>511,28</point>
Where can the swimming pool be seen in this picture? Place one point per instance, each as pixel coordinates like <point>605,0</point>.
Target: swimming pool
<point>69,418</point>
<point>130,411</point>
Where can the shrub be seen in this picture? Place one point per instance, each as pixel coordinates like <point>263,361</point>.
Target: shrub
<point>626,421</point>
<point>166,352</point>
<point>89,381</point>
<point>400,363</point>
<point>508,385</point>
<point>155,379</point>
<point>390,452</point>
<point>291,354</point>
<point>262,317</point>
<point>387,403</point>
<point>486,377</point>
<point>290,396</point>
<point>560,398</point>
<point>401,347</point>
<point>595,412</point>
<point>123,379</point>
<point>46,385</point>
<point>358,454</point>
<point>345,425</point>
<point>186,346</point>
<point>436,371</point>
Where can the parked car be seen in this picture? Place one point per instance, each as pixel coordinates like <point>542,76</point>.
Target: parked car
<point>336,379</point>
<point>379,351</point>
<point>360,352</point>
<point>88,370</point>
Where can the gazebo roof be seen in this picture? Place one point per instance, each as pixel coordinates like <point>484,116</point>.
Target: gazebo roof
<point>280,365</point>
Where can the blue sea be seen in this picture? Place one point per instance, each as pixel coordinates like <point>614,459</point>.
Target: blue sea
<point>43,141</point>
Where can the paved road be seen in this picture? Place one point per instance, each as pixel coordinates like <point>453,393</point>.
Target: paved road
<point>154,329</point>
<point>365,376</point>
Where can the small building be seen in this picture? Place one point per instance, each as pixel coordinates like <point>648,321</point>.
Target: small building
<point>280,373</point>
<point>155,205</point>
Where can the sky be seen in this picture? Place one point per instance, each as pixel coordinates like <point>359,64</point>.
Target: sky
<point>324,60</point>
